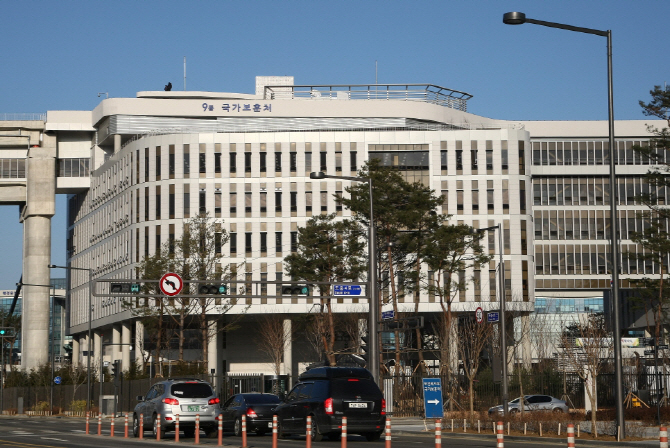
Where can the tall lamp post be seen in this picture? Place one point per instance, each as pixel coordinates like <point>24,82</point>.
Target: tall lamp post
<point>90,340</point>
<point>519,18</point>
<point>373,315</point>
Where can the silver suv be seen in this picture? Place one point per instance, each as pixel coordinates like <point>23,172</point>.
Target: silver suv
<point>185,397</point>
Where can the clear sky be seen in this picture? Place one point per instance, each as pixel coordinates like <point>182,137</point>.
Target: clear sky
<point>62,54</point>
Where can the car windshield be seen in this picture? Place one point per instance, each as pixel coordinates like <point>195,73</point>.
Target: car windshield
<point>191,390</point>
<point>515,401</point>
<point>350,388</point>
<point>262,399</point>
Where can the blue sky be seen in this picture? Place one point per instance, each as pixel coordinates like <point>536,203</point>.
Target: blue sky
<point>60,54</point>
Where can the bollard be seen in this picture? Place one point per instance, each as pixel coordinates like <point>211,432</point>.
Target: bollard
<point>308,429</point>
<point>87,418</point>
<point>344,432</point>
<point>479,428</point>
<point>663,437</point>
<point>388,433</point>
<point>465,426</point>
<point>500,436</point>
<point>158,426</point>
<point>99,424</point>
<point>571,435</point>
<point>125,429</point>
<point>452,425</point>
<point>197,429</point>
<point>244,431</point>
<point>507,428</point>
<point>577,430</point>
<point>111,430</point>
<point>274,431</point>
<point>540,429</point>
<point>438,433</point>
<point>220,441</point>
<point>141,426</point>
<point>559,429</point>
<point>176,427</point>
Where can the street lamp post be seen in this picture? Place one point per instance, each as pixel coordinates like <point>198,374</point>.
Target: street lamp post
<point>503,329</point>
<point>90,340</point>
<point>518,18</point>
<point>373,314</point>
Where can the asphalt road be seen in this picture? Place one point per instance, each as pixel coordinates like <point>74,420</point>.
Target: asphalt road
<point>55,432</point>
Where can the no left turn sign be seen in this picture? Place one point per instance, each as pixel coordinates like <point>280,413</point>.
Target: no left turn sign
<point>171,284</point>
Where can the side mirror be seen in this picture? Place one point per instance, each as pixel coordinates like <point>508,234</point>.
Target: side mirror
<point>140,398</point>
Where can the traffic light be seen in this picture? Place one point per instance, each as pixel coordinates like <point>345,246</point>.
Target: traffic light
<point>365,349</point>
<point>6,332</point>
<point>124,288</point>
<point>213,289</point>
<point>302,290</point>
<point>115,368</point>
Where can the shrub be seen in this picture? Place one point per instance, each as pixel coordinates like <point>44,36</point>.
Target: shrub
<point>78,405</point>
<point>41,406</point>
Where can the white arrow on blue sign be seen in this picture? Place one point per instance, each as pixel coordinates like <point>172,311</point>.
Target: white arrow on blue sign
<point>58,380</point>
<point>432,398</point>
<point>347,290</point>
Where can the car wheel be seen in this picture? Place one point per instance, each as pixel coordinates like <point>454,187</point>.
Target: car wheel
<point>136,426</point>
<point>513,411</point>
<point>315,435</point>
<point>156,428</point>
<point>372,436</point>
<point>189,432</point>
<point>558,411</point>
<point>237,427</point>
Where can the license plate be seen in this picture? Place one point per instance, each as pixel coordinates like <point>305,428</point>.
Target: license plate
<point>358,405</point>
<point>269,424</point>
<point>193,408</point>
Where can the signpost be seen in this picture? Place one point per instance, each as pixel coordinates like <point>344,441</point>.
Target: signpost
<point>347,290</point>
<point>479,315</point>
<point>171,284</point>
<point>432,398</point>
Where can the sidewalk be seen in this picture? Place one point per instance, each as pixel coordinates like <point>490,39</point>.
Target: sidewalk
<point>419,426</point>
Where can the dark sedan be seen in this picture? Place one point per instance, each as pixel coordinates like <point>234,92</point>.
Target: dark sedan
<point>259,409</point>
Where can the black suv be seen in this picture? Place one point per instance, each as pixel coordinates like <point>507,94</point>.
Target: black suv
<point>329,393</point>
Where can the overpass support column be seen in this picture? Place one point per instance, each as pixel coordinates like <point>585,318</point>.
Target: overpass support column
<point>125,349</point>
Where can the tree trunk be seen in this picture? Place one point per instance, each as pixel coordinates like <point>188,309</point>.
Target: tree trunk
<point>204,332</point>
<point>471,388</point>
<point>181,333</point>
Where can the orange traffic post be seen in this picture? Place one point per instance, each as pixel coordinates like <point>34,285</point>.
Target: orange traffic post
<point>197,429</point>
<point>438,433</point>
<point>274,431</point>
<point>99,424</point>
<point>111,430</point>
<point>220,419</point>
<point>344,432</point>
<point>500,436</point>
<point>141,426</point>
<point>87,418</point>
<point>571,435</point>
<point>388,433</point>
<point>125,429</point>
<point>244,431</point>
<point>176,428</point>
<point>158,426</point>
<point>663,437</point>
<point>308,435</point>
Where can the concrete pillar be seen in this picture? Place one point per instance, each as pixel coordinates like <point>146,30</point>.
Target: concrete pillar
<point>139,344</point>
<point>75,351</point>
<point>125,349</point>
<point>36,217</point>
<point>212,347</point>
<point>116,339</point>
<point>288,348</point>
<point>96,361</point>
<point>117,143</point>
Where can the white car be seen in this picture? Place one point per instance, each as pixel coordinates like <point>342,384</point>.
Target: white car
<point>532,403</point>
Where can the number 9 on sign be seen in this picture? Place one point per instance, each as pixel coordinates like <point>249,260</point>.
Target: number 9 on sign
<point>479,315</point>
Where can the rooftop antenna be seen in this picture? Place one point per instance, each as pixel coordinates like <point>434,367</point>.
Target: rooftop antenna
<point>184,73</point>
<point>376,81</point>
<point>103,93</point>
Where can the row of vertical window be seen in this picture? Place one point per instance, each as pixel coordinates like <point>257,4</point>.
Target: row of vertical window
<point>592,153</point>
<point>588,259</point>
<point>593,191</point>
<point>74,167</point>
<point>587,224</point>
<point>12,168</point>
<point>471,158</point>
<point>475,205</point>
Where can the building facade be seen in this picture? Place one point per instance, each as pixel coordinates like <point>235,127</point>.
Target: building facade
<point>136,168</point>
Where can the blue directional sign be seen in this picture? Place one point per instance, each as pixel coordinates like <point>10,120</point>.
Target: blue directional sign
<point>386,315</point>
<point>58,380</point>
<point>493,316</point>
<point>432,398</point>
<point>347,290</point>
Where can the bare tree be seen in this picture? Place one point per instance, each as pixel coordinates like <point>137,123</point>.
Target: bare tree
<point>473,338</point>
<point>273,338</point>
<point>587,346</point>
<point>76,374</point>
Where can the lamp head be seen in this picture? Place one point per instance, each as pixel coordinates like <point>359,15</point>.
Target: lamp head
<point>514,18</point>
<point>319,175</point>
